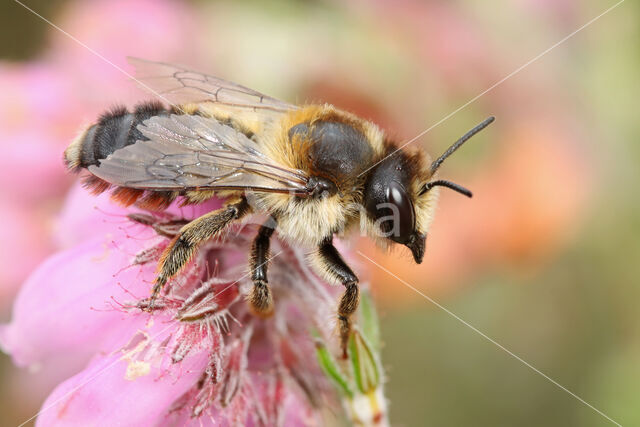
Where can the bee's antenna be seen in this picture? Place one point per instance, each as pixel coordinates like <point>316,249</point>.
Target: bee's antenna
<point>436,164</point>
<point>443,183</point>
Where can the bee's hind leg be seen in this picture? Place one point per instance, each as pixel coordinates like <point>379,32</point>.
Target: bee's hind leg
<point>328,259</point>
<point>260,299</point>
<point>184,245</point>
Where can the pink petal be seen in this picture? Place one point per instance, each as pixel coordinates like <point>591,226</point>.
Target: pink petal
<point>107,393</point>
<point>85,216</point>
<point>63,310</point>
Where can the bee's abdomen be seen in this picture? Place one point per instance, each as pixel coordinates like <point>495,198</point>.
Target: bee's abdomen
<point>115,129</point>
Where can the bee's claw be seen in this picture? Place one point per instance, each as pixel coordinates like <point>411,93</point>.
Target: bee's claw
<point>344,326</point>
<point>343,347</point>
<point>150,304</point>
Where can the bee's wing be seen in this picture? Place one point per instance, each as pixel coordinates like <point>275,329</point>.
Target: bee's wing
<point>188,152</point>
<point>179,85</point>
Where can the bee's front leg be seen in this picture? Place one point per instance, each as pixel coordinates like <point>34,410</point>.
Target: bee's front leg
<point>260,298</point>
<point>331,264</point>
<point>184,245</point>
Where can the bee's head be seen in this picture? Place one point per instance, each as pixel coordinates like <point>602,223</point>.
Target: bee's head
<point>399,210</point>
<point>401,193</point>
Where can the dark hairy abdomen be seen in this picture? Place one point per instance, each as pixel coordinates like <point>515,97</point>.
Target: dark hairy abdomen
<point>115,129</point>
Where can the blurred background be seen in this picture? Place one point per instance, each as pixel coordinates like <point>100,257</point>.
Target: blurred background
<point>543,259</point>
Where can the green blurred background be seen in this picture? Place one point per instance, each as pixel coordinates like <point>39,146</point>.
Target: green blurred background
<point>544,258</point>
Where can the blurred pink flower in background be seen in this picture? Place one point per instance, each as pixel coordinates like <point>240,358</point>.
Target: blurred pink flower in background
<point>50,98</point>
<point>564,11</point>
<point>32,179</point>
<point>149,29</point>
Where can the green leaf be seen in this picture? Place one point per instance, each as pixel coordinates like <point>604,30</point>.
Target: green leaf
<point>364,363</point>
<point>331,369</point>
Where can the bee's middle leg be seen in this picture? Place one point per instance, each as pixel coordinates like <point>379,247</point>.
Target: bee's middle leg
<point>184,245</point>
<point>330,260</point>
<point>260,298</point>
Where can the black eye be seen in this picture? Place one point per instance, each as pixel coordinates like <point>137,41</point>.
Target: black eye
<point>387,201</point>
<point>396,195</point>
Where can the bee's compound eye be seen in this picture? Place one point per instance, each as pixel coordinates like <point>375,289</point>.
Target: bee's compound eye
<point>403,215</point>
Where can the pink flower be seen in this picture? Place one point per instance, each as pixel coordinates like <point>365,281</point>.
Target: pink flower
<point>200,356</point>
<point>153,29</point>
<point>32,177</point>
<point>48,100</point>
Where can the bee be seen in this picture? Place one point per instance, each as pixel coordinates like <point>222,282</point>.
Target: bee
<point>314,170</point>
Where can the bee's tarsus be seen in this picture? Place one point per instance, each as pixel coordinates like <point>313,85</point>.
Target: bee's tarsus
<point>335,267</point>
<point>152,303</point>
<point>260,298</point>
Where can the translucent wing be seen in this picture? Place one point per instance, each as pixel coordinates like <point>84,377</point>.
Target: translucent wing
<point>179,85</point>
<point>185,152</point>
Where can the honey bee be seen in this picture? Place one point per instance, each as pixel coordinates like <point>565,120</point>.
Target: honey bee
<point>314,170</point>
